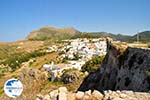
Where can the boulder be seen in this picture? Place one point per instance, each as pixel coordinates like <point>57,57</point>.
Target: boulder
<point>63,89</point>
<point>79,95</point>
<point>97,95</point>
<point>71,96</point>
<point>87,95</point>
<point>62,96</point>
<point>54,94</point>
<point>37,99</point>
<point>46,97</point>
<point>122,95</point>
<point>88,92</point>
<point>117,98</point>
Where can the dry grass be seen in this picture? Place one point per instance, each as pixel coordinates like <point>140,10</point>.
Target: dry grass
<point>120,46</point>
<point>40,61</point>
<point>138,45</point>
<point>28,46</point>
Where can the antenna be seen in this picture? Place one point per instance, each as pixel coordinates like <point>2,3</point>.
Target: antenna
<point>138,37</point>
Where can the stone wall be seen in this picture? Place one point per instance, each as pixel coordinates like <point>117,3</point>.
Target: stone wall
<point>63,94</point>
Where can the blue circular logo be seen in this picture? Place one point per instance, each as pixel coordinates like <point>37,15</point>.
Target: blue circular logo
<point>13,88</point>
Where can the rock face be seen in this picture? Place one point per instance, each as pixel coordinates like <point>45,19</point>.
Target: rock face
<point>123,68</point>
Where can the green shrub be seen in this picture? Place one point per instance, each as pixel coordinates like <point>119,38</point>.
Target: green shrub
<point>76,57</point>
<point>15,61</point>
<point>147,73</point>
<point>92,65</point>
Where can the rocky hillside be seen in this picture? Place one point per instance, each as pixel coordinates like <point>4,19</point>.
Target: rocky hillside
<point>52,33</point>
<point>123,68</point>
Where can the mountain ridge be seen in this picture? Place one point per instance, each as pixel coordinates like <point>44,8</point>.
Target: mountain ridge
<point>55,33</point>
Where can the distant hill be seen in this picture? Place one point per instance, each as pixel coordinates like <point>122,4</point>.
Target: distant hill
<point>119,37</point>
<point>52,33</point>
<point>143,37</point>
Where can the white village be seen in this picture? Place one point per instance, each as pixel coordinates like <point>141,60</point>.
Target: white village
<point>77,52</point>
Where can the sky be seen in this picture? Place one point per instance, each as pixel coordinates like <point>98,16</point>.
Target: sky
<point>19,17</point>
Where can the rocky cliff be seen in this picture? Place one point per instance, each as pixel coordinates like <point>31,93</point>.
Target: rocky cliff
<point>123,68</point>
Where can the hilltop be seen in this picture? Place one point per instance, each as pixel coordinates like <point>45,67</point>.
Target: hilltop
<point>52,33</point>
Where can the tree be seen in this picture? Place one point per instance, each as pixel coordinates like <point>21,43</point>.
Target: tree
<point>93,64</point>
